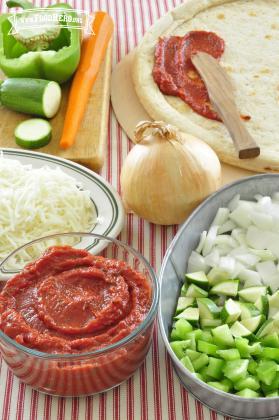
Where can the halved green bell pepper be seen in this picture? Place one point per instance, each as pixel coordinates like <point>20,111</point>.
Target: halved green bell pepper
<point>57,62</point>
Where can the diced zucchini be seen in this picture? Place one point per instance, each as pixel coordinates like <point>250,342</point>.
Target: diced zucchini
<point>196,291</point>
<point>184,289</point>
<point>273,304</point>
<point>238,330</point>
<point>223,336</point>
<point>208,309</point>
<point>253,324</point>
<point>262,304</point>
<point>216,275</point>
<point>180,347</point>
<point>266,329</point>
<point>231,311</point>
<point>229,354</point>
<point>252,294</point>
<point>199,278</point>
<point>180,330</point>
<point>208,348</point>
<point>183,303</point>
<point>190,314</point>
<point>235,370</point>
<point>226,288</point>
<point>210,323</point>
<point>248,310</point>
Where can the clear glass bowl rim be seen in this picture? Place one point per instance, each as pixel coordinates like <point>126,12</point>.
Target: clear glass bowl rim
<point>130,337</point>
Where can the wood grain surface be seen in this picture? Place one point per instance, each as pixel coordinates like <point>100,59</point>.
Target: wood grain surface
<point>89,147</point>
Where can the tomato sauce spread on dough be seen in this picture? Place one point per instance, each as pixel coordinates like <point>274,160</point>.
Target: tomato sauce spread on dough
<point>69,301</point>
<point>175,73</point>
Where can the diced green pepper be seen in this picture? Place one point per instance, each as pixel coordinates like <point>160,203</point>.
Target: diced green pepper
<point>203,373</point>
<point>274,386</point>
<point>229,354</point>
<point>222,386</point>
<point>206,336</point>
<point>271,340</point>
<point>192,354</point>
<point>248,393</point>
<point>180,347</point>
<point>57,62</point>
<point>249,382</point>
<point>270,353</point>
<point>187,363</point>
<point>252,367</point>
<point>215,368</point>
<point>197,334</point>
<point>266,371</point>
<point>200,362</point>
<point>198,375</point>
<point>235,370</point>
<point>180,329</point>
<point>272,394</point>
<point>242,344</point>
<point>208,348</point>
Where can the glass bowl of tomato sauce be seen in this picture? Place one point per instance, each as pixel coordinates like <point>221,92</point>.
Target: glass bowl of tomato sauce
<point>76,313</point>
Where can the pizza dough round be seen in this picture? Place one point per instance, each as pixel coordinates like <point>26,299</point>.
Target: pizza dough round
<point>250,29</point>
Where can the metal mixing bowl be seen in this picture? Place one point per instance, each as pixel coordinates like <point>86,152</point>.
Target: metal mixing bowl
<point>172,276</point>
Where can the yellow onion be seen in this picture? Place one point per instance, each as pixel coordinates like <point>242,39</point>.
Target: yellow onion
<point>167,173</point>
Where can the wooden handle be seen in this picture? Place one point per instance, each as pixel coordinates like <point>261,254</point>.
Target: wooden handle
<point>220,91</point>
<point>244,143</point>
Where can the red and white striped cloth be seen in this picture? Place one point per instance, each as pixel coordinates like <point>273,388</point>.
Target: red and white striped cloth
<point>154,392</point>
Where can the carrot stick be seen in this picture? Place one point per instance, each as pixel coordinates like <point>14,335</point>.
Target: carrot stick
<point>93,50</point>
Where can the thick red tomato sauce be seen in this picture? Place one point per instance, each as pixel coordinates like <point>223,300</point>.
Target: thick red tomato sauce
<point>175,73</point>
<point>70,301</point>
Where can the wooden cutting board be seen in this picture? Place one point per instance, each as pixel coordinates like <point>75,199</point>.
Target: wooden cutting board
<point>129,111</point>
<point>89,147</point>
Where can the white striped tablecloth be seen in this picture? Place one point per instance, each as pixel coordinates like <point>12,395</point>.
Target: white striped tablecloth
<point>154,392</point>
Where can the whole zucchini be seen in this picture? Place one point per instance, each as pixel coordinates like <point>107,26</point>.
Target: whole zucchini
<point>31,96</point>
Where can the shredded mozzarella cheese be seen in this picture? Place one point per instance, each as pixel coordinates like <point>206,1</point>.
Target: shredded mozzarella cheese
<point>35,202</point>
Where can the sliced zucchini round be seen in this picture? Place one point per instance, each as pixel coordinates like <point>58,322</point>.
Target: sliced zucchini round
<point>33,133</point>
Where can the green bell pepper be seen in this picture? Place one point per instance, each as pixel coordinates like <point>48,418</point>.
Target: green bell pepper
<point>52,55</point>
